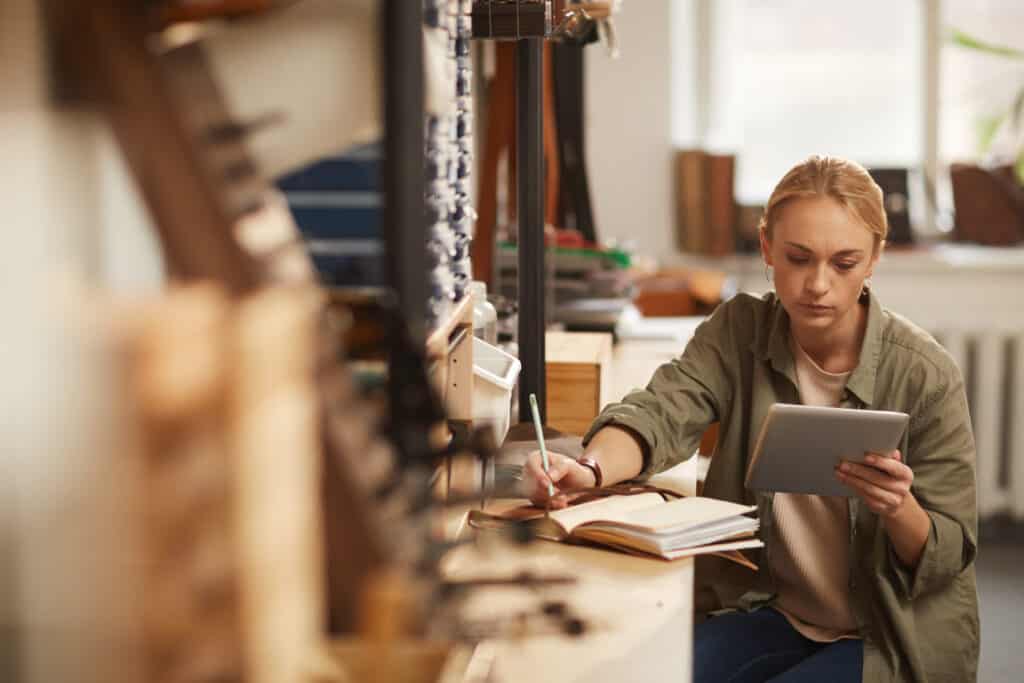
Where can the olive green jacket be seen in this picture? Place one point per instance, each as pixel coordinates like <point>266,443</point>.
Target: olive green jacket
<point>917,625</point>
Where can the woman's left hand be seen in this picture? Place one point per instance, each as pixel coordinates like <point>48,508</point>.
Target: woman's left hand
<point>883,481</point>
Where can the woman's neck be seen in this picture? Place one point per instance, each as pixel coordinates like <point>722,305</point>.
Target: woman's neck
<point>837,348</point>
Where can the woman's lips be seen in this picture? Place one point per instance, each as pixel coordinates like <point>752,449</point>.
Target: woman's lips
<point>817,309</point>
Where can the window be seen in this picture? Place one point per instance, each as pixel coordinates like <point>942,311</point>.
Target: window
<point>788,78</point>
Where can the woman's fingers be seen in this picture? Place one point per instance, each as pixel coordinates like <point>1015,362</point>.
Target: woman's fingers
<point>890,463</point>
<point>872,492</point>
<point>895,476</point>
<point>559,501</point>
<point>861,487</point>
<point>860,484</point>
<point>559,467</point>
<point>854,471</point>
<point>537,479</point>
<point>882,493</point>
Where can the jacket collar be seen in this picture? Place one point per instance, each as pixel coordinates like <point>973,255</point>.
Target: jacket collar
<point>774,347</point>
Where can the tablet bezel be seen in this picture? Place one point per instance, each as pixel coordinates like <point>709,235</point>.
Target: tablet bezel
<point>799,446</point>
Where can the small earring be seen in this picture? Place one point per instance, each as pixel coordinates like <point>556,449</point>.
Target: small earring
<point>865,287</point>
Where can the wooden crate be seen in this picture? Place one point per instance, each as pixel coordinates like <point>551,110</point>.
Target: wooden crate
<point>578,378</point>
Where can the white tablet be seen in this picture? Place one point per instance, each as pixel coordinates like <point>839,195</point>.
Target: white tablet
<point>799,446</point>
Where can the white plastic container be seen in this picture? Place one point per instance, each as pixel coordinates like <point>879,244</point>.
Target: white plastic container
<point>494,376</point>
<point>485,317</point>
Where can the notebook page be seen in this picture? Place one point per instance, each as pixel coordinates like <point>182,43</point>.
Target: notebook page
<point>716,547</point>
<point>682,513</point>
<point>710,532</point>
<point>613,508</point>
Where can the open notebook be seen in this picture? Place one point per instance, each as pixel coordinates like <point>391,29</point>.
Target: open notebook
<point>641,524</point>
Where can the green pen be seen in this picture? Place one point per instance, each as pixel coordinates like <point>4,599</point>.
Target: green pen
<point>540,440</point>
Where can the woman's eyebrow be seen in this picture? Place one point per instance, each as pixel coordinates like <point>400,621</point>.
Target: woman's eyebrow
<point>842,252</point>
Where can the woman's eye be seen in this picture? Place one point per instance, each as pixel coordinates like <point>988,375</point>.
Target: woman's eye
<point>797,260</point>
<point>844,265</point>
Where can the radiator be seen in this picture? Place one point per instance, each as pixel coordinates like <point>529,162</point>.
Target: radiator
<point>992,363</point>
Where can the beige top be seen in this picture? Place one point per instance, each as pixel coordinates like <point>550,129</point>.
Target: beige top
<point>810,561</point>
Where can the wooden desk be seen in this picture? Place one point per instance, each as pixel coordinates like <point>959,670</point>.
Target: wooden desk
<point>641,609</point>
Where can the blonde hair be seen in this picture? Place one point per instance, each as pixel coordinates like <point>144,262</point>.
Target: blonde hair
<point>845,181</point>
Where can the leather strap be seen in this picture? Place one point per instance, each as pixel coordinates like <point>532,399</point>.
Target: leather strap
<point>594,467</point>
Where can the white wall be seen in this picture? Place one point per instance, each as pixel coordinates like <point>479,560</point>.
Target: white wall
<point>630,128</point>
<point>71,223</point>
<point>130,260</point>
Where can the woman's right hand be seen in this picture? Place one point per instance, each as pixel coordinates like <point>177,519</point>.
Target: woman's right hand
<point>565,474</point>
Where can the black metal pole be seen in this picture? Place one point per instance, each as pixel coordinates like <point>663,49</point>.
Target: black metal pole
<point>530,195</point>
<point>404,228</point>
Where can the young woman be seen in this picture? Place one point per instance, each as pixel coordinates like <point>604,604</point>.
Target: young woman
<point>879,586</point>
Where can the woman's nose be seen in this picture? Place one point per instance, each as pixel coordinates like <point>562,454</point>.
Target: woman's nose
<point>817,282</point>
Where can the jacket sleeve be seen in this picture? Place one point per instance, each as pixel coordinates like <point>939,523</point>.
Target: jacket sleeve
<point>942,455</point>
<point>683,397</point>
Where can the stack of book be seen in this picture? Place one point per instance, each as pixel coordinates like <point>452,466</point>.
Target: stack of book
<point>641,524</point>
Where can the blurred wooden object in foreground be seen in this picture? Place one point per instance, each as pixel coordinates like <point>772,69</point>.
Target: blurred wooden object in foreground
<point>266,504</point>
<point>205,515</point>
<point>228,410</point>
<point>174,11</point>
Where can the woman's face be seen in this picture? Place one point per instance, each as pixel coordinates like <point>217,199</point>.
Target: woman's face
<point>821,255</point>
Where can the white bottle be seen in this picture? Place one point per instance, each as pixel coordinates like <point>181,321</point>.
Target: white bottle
<point>485,317</point>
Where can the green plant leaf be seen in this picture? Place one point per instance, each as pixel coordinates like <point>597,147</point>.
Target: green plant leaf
<point>965,40</point>
<point>987,128</point>
<point>1017,110</point>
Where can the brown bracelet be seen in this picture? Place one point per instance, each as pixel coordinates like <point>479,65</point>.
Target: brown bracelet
<point>594,467</point>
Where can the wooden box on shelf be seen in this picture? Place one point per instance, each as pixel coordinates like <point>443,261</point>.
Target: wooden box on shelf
<point>578,378</point>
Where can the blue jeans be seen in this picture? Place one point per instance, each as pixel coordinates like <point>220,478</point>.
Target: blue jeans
<point>761,646</point>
